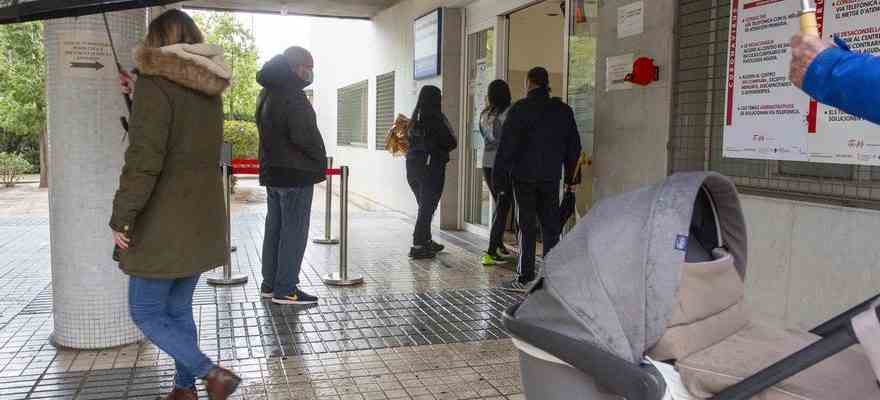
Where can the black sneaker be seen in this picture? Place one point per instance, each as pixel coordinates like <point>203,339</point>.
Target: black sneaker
<point>421,253</point>
<point>266,293</point>
<point>297,297</point>
<point>514,286</point>
<point>436,247</point>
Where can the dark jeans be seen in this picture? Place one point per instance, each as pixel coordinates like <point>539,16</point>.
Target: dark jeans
<point>287,232</point>
<point>426,181</point>
<point>162,309</point>
<point>503,197</point>
<point>537,202</point>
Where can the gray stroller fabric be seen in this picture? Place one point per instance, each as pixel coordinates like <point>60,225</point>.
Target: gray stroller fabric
<point>614,279</point>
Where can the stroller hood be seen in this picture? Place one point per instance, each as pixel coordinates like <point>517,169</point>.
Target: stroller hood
<point>614,280</point>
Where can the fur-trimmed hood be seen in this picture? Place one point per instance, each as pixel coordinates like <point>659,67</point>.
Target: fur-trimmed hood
<point>196,66</point>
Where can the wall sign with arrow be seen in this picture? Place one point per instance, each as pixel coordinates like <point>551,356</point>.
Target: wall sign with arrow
<point>86,56</point>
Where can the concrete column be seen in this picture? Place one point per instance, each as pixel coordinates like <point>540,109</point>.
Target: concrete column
<point>632,126</point>
<point>86,148</point>
<point>451,53</point>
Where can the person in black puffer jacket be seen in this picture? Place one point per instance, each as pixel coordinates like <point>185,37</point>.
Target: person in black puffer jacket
<point>431,139</point>
<point>292,161</point>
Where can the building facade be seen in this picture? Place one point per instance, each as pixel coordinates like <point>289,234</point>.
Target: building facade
<point>810,225</point>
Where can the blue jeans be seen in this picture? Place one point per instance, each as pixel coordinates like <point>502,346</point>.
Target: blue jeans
<point>287,232</point>
<point>162,309</point>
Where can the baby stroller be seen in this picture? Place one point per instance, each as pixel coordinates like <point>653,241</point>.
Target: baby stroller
<point>658,273</point>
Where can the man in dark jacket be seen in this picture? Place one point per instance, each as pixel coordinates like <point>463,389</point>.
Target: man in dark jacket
<point>292,161</point>
<point>540,140</point>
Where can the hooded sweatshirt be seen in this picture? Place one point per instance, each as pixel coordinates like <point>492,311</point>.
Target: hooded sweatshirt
<point>292,150</point>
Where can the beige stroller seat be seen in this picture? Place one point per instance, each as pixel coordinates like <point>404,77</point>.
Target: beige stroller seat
<point>717,345</point>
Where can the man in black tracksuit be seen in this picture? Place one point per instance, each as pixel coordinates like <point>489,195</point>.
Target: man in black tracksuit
<point>540,140</point>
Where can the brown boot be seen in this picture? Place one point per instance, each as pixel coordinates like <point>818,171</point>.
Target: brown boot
<point>221,383</point>
<point>183,394</point>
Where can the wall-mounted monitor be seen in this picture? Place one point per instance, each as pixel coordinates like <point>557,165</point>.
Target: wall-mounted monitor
<point>427,31</point>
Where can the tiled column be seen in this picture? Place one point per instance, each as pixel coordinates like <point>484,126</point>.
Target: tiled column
<point>86,148</point>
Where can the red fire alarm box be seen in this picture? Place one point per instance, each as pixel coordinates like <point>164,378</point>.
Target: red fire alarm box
<point>644,72</point>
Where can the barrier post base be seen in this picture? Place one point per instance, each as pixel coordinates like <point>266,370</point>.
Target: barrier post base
<point>234,279</point>
<point>325,241</point>
<point>335,279</point>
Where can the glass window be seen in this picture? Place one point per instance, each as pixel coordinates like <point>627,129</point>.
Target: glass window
<point>384,107</point>
<point>351,115</point>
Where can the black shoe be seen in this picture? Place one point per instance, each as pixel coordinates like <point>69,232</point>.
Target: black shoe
<point>436,247</point>
<point>514,286</point>
<point>297,297</point>
<point>421,253</point>
<point>266,293</point>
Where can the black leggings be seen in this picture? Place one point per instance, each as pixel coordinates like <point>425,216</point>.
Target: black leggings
<point>503,197</point>
<point>426,181</point>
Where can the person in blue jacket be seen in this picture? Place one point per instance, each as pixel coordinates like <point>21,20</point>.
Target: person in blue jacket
<point>833,75</point>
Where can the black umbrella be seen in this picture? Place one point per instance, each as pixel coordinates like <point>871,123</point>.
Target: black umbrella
<point>566,208</point>
<point>13,11</point>
<point>569,201</point>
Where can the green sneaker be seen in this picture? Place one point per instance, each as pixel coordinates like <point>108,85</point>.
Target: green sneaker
<point>489,260</point>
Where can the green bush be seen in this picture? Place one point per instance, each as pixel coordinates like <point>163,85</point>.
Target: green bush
<point>12,166</point>
<point>243,137</point>
<point>26,145</point>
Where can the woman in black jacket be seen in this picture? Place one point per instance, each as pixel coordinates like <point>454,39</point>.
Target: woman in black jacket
<point>430,142</point>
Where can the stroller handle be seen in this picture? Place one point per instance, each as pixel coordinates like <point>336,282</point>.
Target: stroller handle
<point>843,319</point>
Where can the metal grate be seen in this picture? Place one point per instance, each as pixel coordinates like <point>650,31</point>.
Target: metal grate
<point>351,115</point>
<point>696,140</point>
<point>384,107</point>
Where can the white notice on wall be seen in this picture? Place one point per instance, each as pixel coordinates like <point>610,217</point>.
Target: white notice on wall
<point>616,69</point>
<point>766,117</point>
<point>631,19</point>
<point>86,55</point>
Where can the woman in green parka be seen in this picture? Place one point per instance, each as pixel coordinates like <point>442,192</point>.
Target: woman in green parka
<point>168,214</point>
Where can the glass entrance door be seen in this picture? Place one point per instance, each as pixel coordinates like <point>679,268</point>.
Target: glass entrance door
<point>480,72</point>
<point>582,48</point>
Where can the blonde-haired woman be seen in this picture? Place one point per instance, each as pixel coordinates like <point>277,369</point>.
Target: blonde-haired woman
<point>168,212</point>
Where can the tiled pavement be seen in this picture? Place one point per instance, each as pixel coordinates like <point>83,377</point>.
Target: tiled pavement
<point>414,330</point>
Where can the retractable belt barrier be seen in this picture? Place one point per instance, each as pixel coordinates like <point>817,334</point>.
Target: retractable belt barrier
<point>226,277</point>
<point>328,207</point>
<point>341,278</point>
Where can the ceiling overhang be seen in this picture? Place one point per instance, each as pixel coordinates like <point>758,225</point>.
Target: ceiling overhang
<point>12,11</point>
<point>358,9</point>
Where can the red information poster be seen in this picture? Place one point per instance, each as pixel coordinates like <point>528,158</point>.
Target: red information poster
<point>766,117</point>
